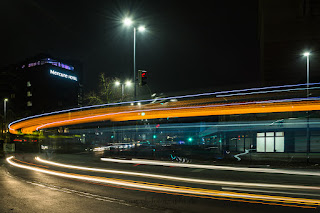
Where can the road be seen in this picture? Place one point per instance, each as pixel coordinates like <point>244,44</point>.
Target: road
<point>118,188</point>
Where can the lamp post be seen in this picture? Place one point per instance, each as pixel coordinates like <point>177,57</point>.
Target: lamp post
<point>4,117</point>
<point>307,54</point>
<point>118,83</point>
<point>129,22</point>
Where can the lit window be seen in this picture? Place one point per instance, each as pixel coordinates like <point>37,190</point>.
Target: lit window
<point>270,142</point>
<point>29,94</point>
<point>29,103</point>
<point>28,84</point>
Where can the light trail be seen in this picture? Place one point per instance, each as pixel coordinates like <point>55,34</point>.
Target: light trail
<point>123,114</point>
<point>180,190</point>
<point>183,179</point>
<point>85,109</point>
<point>208,124</point>
<point>199,166</point>
<point>264,92</point>
<point>270,192</point>
<point>150,100</point>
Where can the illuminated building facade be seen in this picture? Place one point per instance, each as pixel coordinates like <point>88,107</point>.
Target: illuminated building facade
<point>46,84</point>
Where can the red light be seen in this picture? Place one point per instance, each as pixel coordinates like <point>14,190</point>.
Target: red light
<point>143,74</point>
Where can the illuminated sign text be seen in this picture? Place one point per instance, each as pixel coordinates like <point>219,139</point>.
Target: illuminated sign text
<point>71,77</point>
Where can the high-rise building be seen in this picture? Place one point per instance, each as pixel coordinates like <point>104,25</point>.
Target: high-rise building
<point>45,84</point>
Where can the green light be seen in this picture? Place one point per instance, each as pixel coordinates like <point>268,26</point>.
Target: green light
<point>112,136</point>
<point>190,139</point>
<point>154,136</point>
<point>143,114</point>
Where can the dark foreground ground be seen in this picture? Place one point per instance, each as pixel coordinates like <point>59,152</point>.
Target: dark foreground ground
<point>29,191</point>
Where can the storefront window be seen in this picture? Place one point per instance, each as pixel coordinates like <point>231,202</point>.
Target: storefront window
<point>270,142</point>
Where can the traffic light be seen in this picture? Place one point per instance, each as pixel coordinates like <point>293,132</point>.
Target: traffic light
<point>142,77</point>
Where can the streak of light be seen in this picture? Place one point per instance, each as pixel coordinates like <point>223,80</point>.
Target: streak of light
<point>241,169</point>
<point>14,130</point>
<point>183,125</point>
<point>266,191</point>
<point>265,92</point>
<point>126,114</point>
<point>241,197</point>
<point>162,99</point>
<point>174,178</point>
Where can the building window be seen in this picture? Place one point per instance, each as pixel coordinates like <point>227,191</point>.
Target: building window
<point>29,94</point>
<point>29,103</point>
<point>239,142</point>
<point>270,142</point>
<point>28,84</point>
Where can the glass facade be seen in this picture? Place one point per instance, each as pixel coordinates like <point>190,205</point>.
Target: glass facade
<point>270,142</point>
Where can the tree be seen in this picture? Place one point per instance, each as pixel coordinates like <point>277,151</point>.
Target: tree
<point>107,92</point>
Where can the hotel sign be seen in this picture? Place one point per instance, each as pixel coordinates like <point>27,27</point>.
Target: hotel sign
<point>63,75</point>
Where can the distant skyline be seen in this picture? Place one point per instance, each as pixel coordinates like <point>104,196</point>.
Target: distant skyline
<point>188,46</point>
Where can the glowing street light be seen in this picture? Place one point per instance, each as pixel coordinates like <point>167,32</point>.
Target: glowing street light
<point>128,22</point>
<point>128,83</point>
<point>306,54</point>
<point>118,83</point>
<point>142,28</point>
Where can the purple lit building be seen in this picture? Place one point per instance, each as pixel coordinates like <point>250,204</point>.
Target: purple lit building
<point>46,84</point>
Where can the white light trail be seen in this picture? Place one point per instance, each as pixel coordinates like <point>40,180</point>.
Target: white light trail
<point>289,201</point>
<point>198,166</point>
<point>174,178</point>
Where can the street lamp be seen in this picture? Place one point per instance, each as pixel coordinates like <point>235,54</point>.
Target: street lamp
<point>307,54</point>
<point>5,108</point>
<point>118,83</point>
<point>4,115</point>
<point>128,22</point>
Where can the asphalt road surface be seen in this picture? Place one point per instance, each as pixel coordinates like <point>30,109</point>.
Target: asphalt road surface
<point>30,185</point>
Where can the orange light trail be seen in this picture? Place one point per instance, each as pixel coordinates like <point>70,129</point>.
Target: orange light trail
<point>153,111</point>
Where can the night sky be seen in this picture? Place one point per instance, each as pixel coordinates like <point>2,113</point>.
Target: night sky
<point>190,46</point>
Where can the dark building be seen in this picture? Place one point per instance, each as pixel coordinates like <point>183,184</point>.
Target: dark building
<point>287,29</point>
<point>44,84</point>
